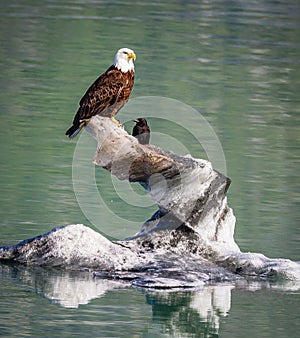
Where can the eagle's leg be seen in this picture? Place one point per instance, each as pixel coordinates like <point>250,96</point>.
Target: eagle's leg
<point>117,122</point>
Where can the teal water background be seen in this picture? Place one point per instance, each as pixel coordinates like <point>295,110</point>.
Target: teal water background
<point>237,63</point>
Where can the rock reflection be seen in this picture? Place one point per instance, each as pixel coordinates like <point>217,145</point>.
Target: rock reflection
<point>201,310</point>
<point>188,312</point>
<point>178,313</point>
<point>66,288</point>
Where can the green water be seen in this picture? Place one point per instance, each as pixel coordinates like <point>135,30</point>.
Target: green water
<point>236,63</point>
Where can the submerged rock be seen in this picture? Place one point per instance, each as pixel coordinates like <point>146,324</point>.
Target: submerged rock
<point>188,242</point>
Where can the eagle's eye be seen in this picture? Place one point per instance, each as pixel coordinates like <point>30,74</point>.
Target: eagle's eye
<point>125,52</point>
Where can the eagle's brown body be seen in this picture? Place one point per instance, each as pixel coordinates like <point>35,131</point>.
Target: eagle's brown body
<point>105,97</point>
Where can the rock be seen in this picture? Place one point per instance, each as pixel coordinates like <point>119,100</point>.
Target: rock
<point>187,191</point>
<point>186,243</point>
<point>73,246</point>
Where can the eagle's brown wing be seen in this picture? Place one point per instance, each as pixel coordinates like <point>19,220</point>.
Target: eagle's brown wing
<point>105,97</point>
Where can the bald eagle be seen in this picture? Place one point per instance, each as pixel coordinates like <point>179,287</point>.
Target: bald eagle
<point>108,94</point>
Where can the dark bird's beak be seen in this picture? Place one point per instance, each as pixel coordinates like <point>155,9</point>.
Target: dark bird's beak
<point>136,120</point>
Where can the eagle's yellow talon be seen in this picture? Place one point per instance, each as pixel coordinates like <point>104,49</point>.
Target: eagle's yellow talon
<point>117,122</point>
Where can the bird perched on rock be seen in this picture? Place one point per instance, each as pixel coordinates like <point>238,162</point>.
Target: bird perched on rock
<point>108,94</point>
<point>141,131</point>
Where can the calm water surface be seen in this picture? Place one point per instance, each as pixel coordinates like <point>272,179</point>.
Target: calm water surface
<point>237,63</point>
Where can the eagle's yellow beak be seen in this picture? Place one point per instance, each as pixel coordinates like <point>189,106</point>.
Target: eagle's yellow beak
<point>132,56</point>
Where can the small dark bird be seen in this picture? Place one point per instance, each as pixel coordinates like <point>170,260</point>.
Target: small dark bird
<point>108,94</point>
<point>141,131</point>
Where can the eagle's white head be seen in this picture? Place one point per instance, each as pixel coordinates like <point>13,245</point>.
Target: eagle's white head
<point>124,59</point>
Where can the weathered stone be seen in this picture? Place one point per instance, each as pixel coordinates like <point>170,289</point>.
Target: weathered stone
<point>187,242</point>
<point>187,190</point>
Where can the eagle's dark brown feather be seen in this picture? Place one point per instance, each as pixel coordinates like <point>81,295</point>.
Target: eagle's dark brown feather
<point>105,97</point>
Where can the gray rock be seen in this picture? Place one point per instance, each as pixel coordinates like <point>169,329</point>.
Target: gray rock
<point>188,242</point>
